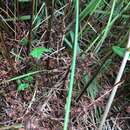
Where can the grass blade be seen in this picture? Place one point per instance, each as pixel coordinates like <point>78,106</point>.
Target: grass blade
<point>107,28</point>
<point>90,8</point>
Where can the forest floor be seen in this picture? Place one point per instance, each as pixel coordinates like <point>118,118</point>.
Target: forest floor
<point>33,90</point>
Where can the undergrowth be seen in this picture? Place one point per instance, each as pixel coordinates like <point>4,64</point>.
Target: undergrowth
<point>59,61</point>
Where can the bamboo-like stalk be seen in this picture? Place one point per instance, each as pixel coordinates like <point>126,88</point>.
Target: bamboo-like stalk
<point>36,5</point>
<point>50,9</point>
<point>49,5</point>
<point>120,73</point>
<point>68,102</point>
<point>31,26</point>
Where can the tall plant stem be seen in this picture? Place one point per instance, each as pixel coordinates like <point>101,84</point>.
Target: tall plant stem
<point>16,13</point>
<point>50,10</point>
<point>50,20</point>
<point>31,26</point>
<point>68,102</point>
<point>111,98</point>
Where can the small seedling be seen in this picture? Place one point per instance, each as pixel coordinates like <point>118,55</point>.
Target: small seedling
<point>39,51</point>
<point>24,83</point>
<point>24,41</point>
<point>22,86</point>
<point>29,79</point>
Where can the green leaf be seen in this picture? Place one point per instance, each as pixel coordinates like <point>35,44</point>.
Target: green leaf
<point>119,51</point>
<point>38,20</point>
<point>93,89</point>
<point>90,8</point>
<point>22,86</point>
<point>24,17</point>
<point>24,0</point>
<point>24,41</point>
<point>29,78</point>
<point>39,51</point>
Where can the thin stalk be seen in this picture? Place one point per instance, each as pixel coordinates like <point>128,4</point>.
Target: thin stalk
<point>50,9</point>
<point>30,29</point>
<point>36,5</point>
<point>16,13</point>
<point>111,98</point>
<point>68,102</point>
<point>29,74</point>
<point>3,24</point>
<point>36,15</point>
<point>50,20</point>
<point>98,46</point>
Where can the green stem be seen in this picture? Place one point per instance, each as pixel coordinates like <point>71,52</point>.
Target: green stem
<point>68,102</point>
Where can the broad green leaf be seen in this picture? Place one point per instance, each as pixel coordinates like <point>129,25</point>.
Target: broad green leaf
<point>22,86</point>
<point>39,51</point>
<point>24,41</point>
<point>119,51</point>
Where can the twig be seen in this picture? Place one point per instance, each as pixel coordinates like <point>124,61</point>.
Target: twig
<point>33,98</point>
<point>111,98</point>
<point>105,94</point>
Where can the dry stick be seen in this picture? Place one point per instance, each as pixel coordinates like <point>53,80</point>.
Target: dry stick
<point>33,98</point>
<point>104,95</point>
<point>120,73</point>
<point>4,25</point>
<point>96,73</point>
